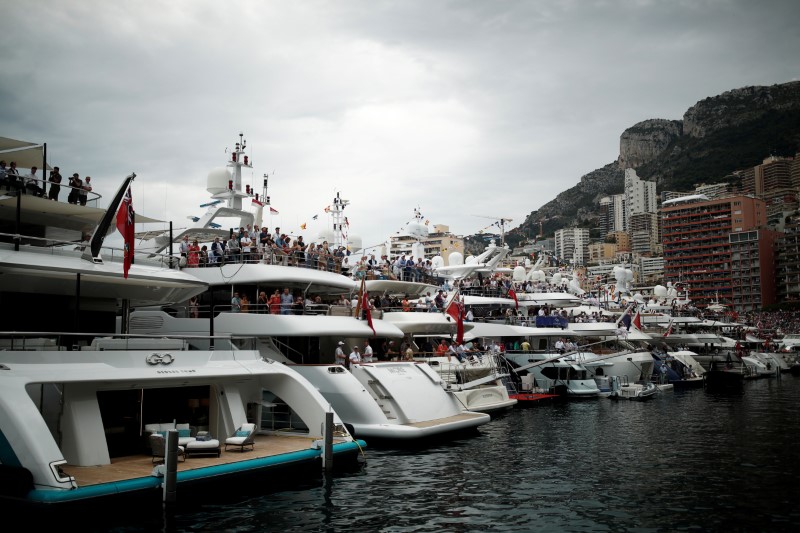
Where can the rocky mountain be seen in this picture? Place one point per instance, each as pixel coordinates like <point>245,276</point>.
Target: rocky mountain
<point>718,135</point>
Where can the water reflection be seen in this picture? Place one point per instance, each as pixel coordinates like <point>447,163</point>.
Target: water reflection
<point>687,460</point>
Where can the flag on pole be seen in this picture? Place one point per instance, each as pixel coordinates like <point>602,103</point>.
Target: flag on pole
<point>456,311</point>
<point>363,305</point>
<point>126,219</point>
<point>637,320</point>
<point>257,202</point>
<point>314,217</point>
<point>303,225</point>
<point>669,329</point>
<point>514,296</point>
<point>273,211</point>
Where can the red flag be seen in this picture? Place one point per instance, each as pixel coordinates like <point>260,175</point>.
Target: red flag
<point>513,295</point>
<point>669,330</point>
<point>273,211</point>
<point>257,202</point>
<point>637,321</point>
<point>456,310</point>
<point>125,225</point>
<point>363,304</point>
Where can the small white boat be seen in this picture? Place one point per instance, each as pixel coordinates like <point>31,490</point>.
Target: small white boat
<point>631,391</point>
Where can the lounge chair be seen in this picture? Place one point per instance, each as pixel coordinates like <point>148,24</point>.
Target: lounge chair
<point>158,445</point>
<point>243,437</point>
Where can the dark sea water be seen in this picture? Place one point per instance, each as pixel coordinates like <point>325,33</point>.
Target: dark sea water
<point>684,461</point>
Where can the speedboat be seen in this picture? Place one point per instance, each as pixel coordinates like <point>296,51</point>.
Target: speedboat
<point>78,402</point>
<point>641,391</point>
<point>678,368</point>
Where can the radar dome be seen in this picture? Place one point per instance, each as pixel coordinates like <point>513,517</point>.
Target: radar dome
<point>455,258</point>
<point>469,260</point>
<point>519,273</point>
<point>356,243</point>
<point>536,275</point>
<point>437,261</point>
<point>417,230</point>
<point>556,278</point>
<point>660,291</point>
<point>217,180</point>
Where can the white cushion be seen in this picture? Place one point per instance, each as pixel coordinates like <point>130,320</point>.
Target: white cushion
<point>183,441</point>
<point>183,426</point>
<point>201,444</point>
<point>235,440</point>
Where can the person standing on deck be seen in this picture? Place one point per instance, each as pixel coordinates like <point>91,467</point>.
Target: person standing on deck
<point>86,188</point>
<point>355,356</point>
<point>55,184</point>
<point>368,353</point>
<point>287,300</point>
<point>236,303</point>
<point>338,355</point>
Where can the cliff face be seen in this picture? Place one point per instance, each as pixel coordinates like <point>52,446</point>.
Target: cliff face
<point>646,140</point>
<point>738,107</point>
<point>720,134</point>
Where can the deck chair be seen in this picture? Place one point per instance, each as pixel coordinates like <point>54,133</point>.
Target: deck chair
<point>243,437</point>
<point>158,445</point>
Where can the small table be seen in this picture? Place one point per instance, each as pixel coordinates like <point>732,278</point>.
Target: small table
<point>203,447</point>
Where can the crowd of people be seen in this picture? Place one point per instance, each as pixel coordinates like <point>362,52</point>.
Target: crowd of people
<point>32,184</point>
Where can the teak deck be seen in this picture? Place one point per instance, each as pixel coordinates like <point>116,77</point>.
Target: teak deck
<point>137,466</point>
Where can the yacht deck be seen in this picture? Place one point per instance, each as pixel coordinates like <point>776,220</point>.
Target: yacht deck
<point>138,466</point>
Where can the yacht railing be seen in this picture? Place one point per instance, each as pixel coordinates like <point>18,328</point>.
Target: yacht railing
<point>98,341</point>
<point>56,247</point>
<point>19,185</point>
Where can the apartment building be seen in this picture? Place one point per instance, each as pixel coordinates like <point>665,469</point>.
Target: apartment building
<point>572,245</point>
<point>697,240</point>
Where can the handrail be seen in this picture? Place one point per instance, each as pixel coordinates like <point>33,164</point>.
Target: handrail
<point>58,247</point>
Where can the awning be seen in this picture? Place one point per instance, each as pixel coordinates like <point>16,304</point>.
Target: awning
<point>25,154</point>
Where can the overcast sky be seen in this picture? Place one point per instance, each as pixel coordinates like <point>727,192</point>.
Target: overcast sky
<point>463,109</point>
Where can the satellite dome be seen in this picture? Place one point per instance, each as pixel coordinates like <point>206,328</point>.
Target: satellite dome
<point>217,180</point>
<point>437,261</point>
<point>469,260</point>
<point>519,273</point>
<point>455,258</point>
<point>356,243</point>
<point>416,229</point>
<point>325,235</point>
<point>536,275</point>
<point>660,291</point>
<point>556,278</point>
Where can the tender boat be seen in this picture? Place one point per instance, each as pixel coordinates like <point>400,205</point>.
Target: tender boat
<point>632,391</point>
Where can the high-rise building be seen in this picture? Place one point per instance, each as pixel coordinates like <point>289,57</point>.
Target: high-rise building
<point>775,180</point>
<point>787,261</point>
<point>752,268</point>
<point>640,196</point>
<point>644,231</point>
<point>572,245</point>
<point>697,236</point>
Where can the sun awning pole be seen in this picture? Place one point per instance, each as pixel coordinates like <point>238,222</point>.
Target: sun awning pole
<point>17,236</point>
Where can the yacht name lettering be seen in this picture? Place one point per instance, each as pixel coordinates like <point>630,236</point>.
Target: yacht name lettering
<point>175,371</point>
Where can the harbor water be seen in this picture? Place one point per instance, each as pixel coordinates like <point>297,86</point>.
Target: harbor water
<point>684,461</point>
